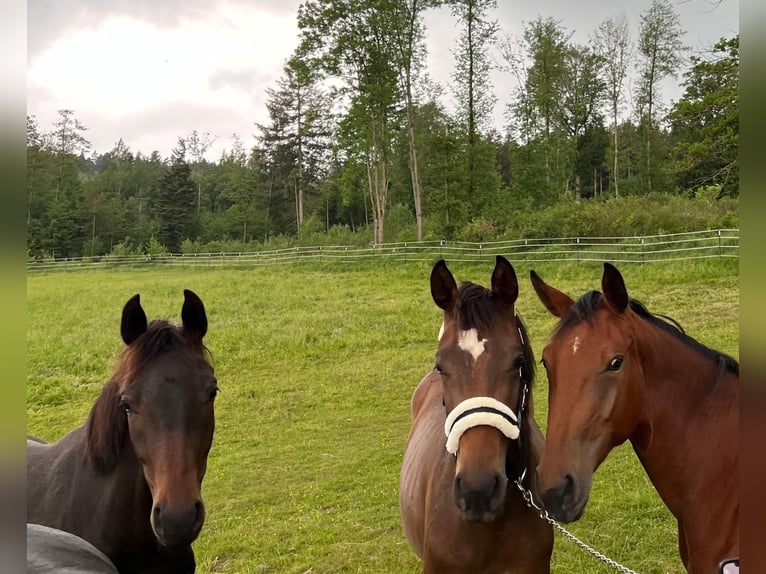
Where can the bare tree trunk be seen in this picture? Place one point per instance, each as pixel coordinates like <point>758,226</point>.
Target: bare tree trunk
<point>615,173</point>
<point>650,102</point>
<point>414,170</point>
<point>407,68</point>
<point>93,236</point>
<point>595,182</point>
<point>471,110</point>
<point>299,182</point>
<point>297,207</point>
<point>377,178</point>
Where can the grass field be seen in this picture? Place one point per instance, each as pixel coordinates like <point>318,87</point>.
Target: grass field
<point>316,366</point>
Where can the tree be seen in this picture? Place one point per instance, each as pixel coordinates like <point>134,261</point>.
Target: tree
<point>69,145</point>
<point>660,48</point>
<point>176,201</point>
<point>349,40</point>
<point>38,159</point>
<point>705,122</point>
<point>613,43</point>
<point>582,90</point>
<point>296,141</point>
<point>473,89</point>
<point>537,106</point>
<point>408,40</point>
<point>197,146</point>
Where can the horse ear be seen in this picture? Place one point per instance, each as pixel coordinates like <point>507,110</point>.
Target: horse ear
<point>134,321</point>
<point>505,286</point>
<point>613,288</point>
<point>106,429</point>
<point>443,286</point>
<point>554,300</point>
<point>193,315</point>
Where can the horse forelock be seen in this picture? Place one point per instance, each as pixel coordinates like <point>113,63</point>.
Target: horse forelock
<point>477,308</point>
<point>107,425</point>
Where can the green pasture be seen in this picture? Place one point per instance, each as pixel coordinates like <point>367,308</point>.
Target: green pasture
<point>316,365</point>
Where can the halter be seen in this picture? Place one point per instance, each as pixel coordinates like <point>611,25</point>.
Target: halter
<point>487,411</point>
<point>479,411</point>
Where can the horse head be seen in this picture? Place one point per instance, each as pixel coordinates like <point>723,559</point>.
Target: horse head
<point>157,410</point>
<point>485,363</point>
<point>595,389</point>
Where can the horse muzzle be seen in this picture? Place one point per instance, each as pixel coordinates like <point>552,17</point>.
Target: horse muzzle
<point>566,501</point>
<point>482,499</point>
<point>177,525</point>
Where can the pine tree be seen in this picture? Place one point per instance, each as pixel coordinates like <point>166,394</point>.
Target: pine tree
<point>176,202</point>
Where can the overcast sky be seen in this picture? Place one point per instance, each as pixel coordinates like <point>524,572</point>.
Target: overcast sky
<point>150,72</point>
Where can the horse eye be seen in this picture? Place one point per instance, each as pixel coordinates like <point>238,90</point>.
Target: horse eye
<point>125,406</point>
<point>438,369</point>
<point>542,362</point>
<point>213,393</point>
<point>518,364</point>
<point>615,364</point>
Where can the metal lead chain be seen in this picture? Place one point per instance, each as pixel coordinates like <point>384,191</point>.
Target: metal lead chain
<point>545,516</point>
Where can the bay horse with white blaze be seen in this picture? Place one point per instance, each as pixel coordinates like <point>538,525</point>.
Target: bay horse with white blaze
<point>466,442</point>
<point>128,481</point>
<point>617,372</point>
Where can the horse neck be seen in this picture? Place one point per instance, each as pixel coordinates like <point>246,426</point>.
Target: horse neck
<point>126,494</point>
<point>684,406</point>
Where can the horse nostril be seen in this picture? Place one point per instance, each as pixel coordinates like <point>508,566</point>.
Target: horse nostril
<point>569,486</point>
<point>495,486</point>
<point>199,515</point>
<point>157,511</point>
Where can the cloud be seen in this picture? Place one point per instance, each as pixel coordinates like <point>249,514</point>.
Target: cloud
<point>50,19</point>
<point>122,69</point>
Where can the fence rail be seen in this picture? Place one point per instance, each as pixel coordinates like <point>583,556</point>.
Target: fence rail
<point>716,243</point>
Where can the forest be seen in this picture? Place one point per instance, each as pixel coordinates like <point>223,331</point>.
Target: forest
<point>361,147</point>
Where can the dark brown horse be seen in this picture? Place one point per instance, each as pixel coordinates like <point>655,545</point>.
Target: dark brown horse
<point>128,481</point>
<point>617,372</point>
<point>473,432</point>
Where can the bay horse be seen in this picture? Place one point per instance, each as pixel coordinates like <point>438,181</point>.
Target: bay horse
<point>617,372</point>
<point>128,481</point>
<point>466,442</point>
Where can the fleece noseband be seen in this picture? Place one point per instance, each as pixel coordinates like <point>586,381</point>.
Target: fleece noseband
<point>479,411</point>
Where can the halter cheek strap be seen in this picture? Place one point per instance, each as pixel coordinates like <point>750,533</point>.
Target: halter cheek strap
<point>479,411</point>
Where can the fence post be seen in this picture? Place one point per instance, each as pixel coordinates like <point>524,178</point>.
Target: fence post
<point>642,250</point>
<point>577,250</point>
<point>719,243</point>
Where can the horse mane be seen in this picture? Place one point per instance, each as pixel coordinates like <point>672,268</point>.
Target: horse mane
<point>107,424</point>
<point>479,309</point>
<point>586,306</point>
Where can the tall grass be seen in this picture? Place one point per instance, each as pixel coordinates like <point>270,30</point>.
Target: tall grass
<point>317,365</point>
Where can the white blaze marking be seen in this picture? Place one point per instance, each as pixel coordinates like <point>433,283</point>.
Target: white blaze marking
<point>575,345</point>
<point>441,331</point>
<point>469,341</point>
